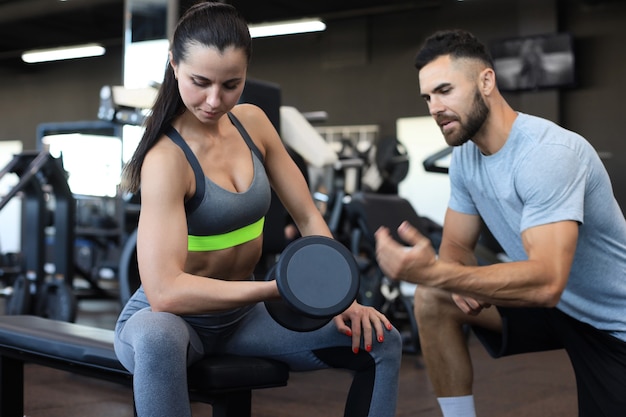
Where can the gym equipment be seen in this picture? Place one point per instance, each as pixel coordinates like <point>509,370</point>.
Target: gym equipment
<point>317,278</point>
<point>265,94</point>
<point>392,163</point>
<point>226,382</point>
<point>377,169</point>
<point>125,105</point>
<point>43,182</point>
<point>19,298</point>
<point>104,217</point>
<point>435,162</point>
<point>298,134</point>
<point>56,300</point>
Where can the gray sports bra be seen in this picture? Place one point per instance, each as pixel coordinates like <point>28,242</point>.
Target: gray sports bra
<point>218,218</point>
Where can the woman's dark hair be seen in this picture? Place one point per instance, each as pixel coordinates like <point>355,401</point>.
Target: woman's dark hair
<point>456,43</point>
<point>210,24</point>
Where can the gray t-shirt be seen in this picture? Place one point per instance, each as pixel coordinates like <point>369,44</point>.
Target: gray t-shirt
<point>545,174</point>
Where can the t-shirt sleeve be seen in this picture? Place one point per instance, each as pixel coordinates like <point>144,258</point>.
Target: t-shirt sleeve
<point>460,198</point>
<point>552,186</point>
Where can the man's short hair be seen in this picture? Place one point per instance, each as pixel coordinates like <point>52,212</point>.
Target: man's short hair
<point>457,43</point>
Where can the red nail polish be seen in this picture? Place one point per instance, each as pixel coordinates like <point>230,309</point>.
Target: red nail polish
<point>348,332</point>
<point>389,326</point>
<point>381,338</point>
<point>355,350</point>
<point>368,348</point>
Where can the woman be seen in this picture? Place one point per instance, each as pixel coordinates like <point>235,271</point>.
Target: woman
<point>205,166</point>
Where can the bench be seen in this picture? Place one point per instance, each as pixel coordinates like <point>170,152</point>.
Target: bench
<point>225,382</point>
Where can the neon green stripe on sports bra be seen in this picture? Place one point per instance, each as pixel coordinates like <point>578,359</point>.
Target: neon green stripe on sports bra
<point>226,240</point>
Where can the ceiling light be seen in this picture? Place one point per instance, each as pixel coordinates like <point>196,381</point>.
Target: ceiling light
<point>287,27</point>
<point>70,52</point>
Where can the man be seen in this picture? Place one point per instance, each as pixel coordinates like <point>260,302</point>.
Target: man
<point>546,197</point>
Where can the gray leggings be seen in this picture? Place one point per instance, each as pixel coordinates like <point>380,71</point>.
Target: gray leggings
<point>157,348</point>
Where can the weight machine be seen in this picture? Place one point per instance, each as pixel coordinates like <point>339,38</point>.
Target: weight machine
<point>68,238</point>
<point>48,205</point>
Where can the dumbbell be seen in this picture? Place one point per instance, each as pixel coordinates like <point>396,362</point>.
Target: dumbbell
<point>317,278</point>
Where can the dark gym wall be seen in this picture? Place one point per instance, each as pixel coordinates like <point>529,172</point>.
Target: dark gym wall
<point>54,92</point>
<point>366,76</point>
<point>360,71</point>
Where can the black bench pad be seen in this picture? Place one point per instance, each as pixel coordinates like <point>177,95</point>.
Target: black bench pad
<point>89,351</point>
<point>69,342</point>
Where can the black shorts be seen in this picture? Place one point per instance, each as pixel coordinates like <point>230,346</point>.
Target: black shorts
<point>598,359</point>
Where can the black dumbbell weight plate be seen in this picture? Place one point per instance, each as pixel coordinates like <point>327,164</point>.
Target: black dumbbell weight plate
<point>318,278</point>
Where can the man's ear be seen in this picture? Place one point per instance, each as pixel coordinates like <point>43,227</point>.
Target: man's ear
<point>487,81</point>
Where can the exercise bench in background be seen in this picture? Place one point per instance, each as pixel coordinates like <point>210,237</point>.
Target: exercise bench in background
<point>225,382</point>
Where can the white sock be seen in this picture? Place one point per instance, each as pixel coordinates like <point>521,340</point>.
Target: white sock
<point>457,406</point>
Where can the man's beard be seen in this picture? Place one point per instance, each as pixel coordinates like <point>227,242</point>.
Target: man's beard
<point>475,120</point>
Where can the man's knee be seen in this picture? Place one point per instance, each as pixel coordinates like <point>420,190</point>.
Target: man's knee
<point>431,305</point>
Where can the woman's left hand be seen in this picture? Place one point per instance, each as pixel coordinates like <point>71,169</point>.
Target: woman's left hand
<point>359,321</point>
